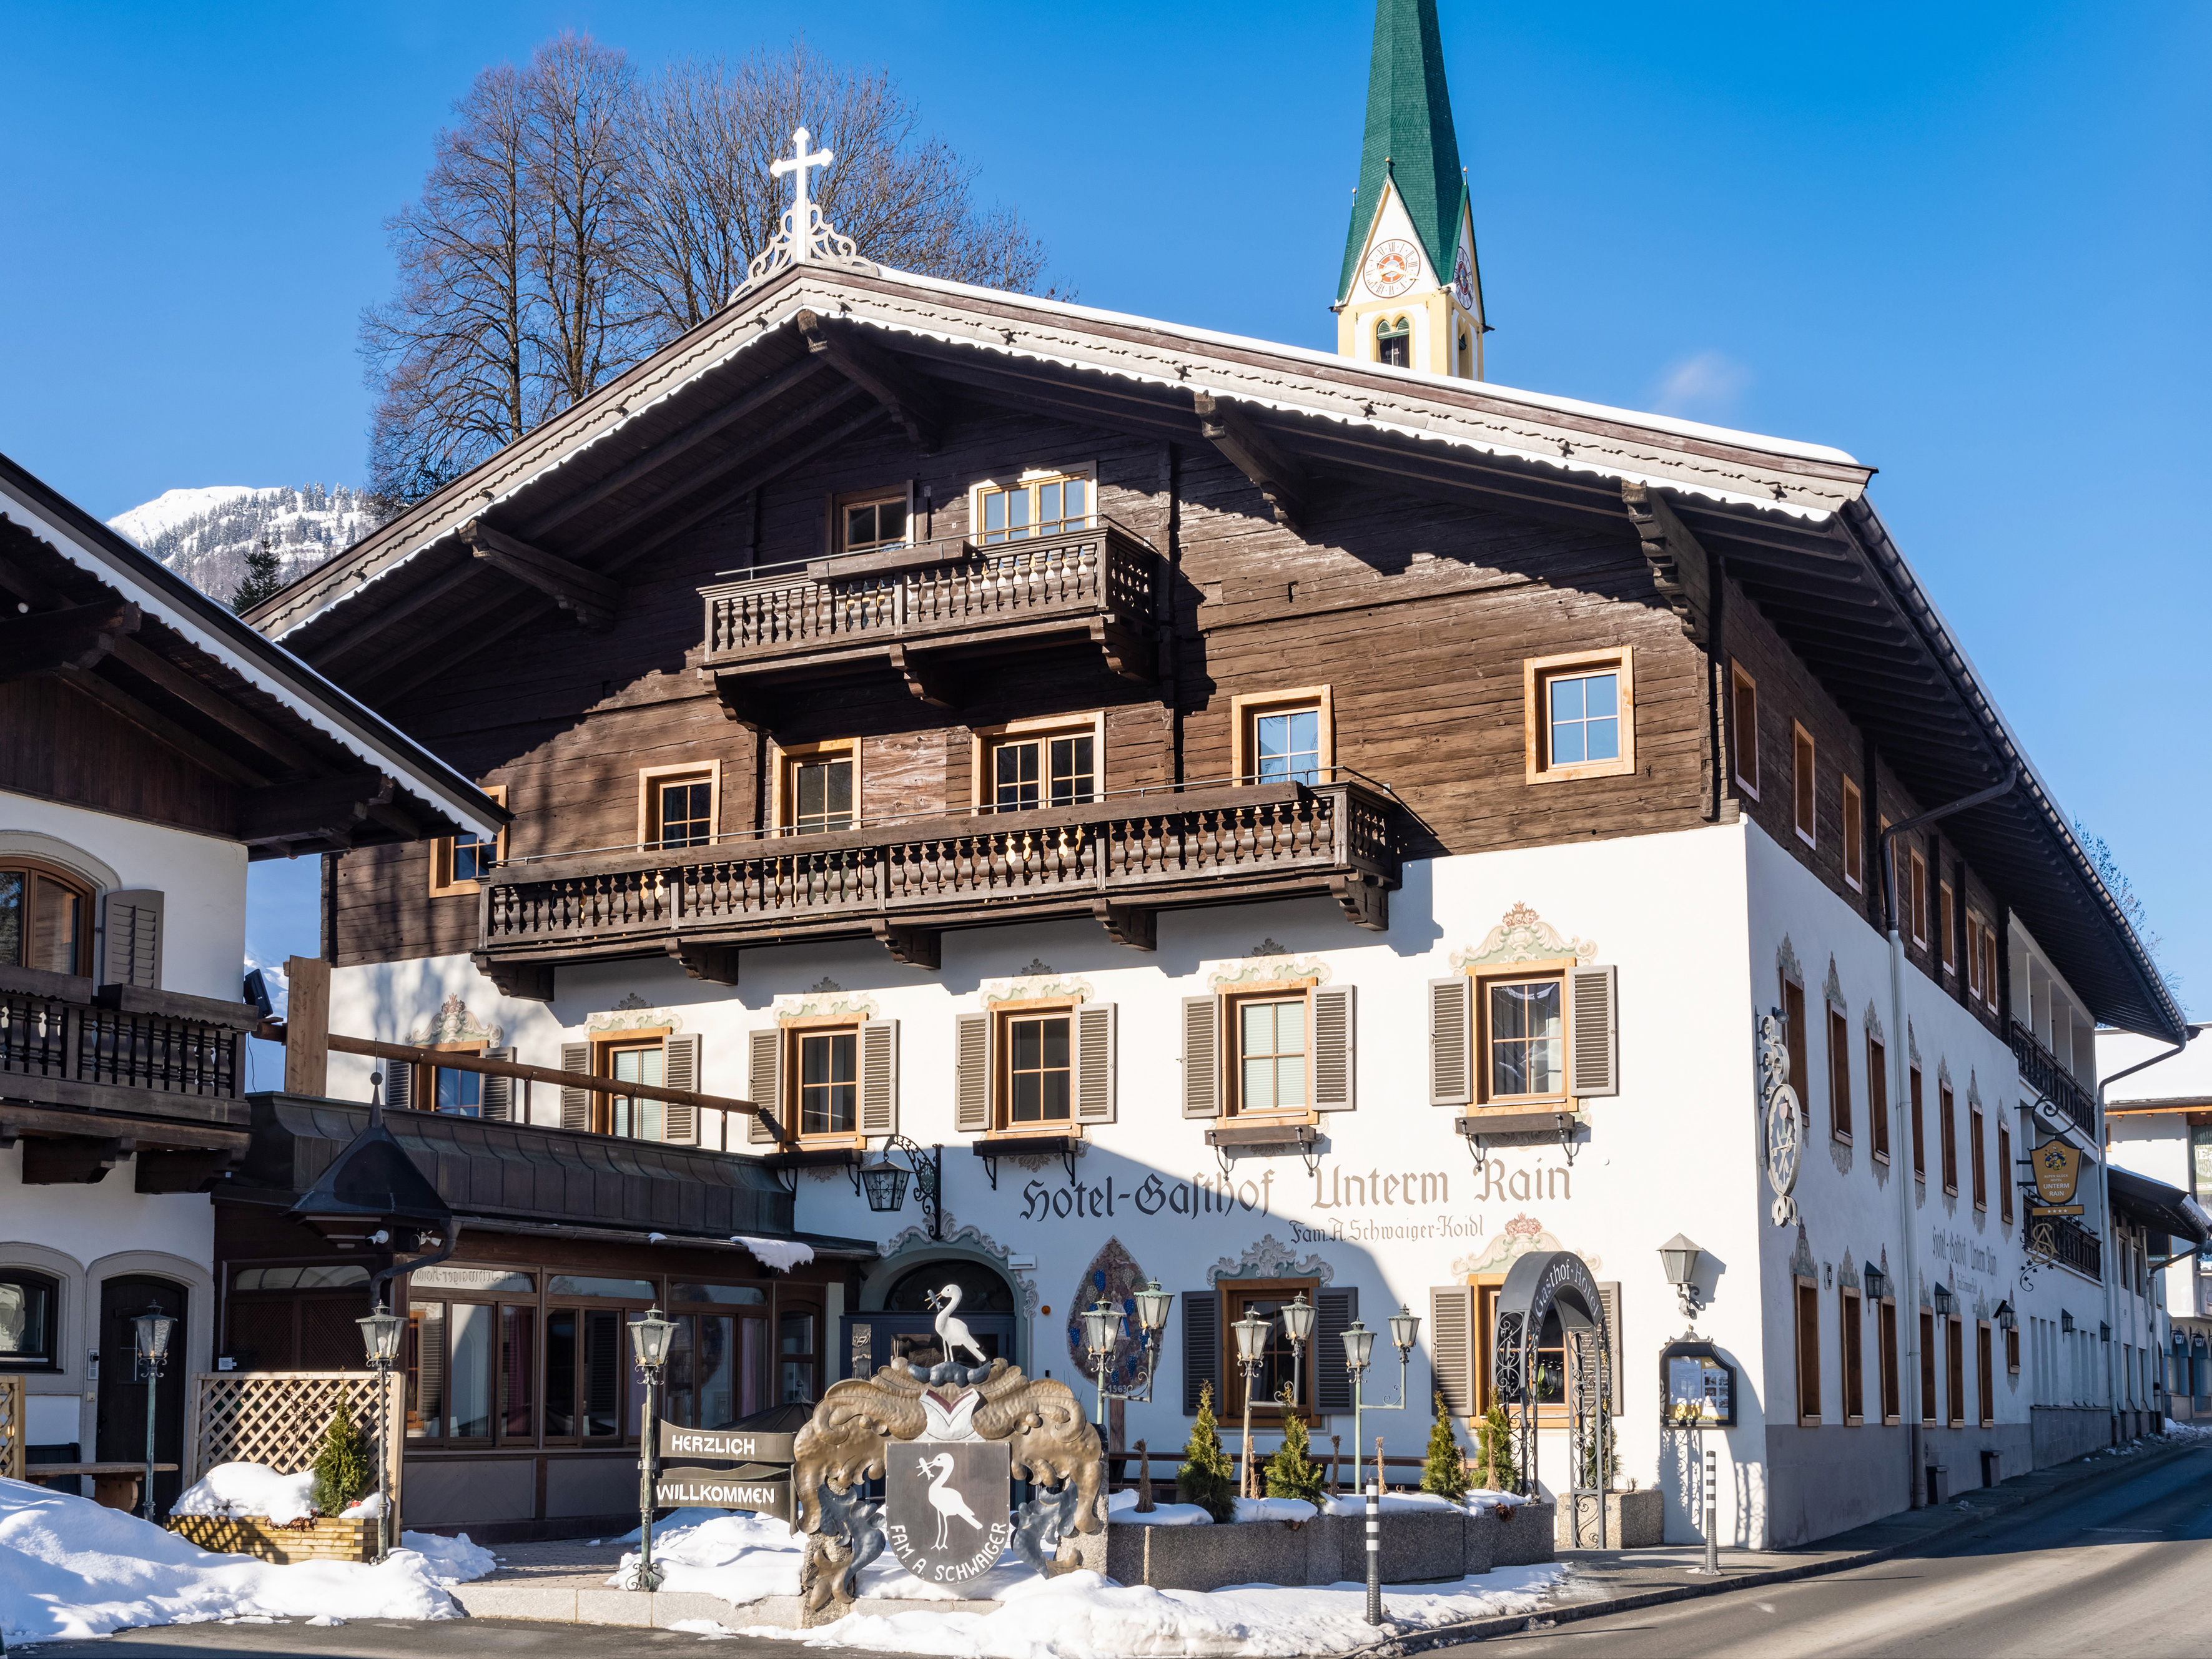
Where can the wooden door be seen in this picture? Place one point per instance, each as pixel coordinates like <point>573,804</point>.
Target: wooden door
<point>121,1420</point>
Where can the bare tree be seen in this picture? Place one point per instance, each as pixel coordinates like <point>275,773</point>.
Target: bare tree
<point>580,107</point>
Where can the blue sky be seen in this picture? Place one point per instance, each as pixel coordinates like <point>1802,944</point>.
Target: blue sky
<point>1967,243</point>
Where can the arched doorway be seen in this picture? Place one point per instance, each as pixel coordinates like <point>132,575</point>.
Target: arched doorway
<point>120,1425</point>
<point>905,1327</point>
<point>1550,1348</point>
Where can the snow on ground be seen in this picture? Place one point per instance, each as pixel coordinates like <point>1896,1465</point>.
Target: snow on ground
<point>70,1568</point>
<point>231,1489</point>
<point>1121,1507</point>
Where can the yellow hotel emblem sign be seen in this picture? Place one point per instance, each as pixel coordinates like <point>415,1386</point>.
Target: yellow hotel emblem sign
<point>2057,1168</point>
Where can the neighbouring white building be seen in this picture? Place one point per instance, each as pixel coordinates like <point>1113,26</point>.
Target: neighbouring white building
<point>2157,1119</point>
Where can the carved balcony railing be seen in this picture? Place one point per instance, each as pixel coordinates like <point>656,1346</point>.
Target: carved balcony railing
<point>2040,1070</point>
<point>1117,860</point>
<point>922,609</point>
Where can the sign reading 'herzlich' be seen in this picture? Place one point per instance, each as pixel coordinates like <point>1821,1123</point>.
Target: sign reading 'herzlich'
<point>944,1507</point>
<point>733,1444</point>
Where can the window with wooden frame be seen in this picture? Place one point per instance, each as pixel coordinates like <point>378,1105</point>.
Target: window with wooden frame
<point>1027,764</point>
<point>798,1331</point>
<point>1808,1351</point>
<point>1265,1298</point>
<point>1743,729</point>
<point>459,863</point>
<point>1878,1096</point>
<point>2004,1172</point>
<point>1268,1073</point>
<point>467,1357</point>
<point>1954,1373</point>
<point>1839,1074</point>
<point>1507,1038</point>
<point>1930,1405</point>
<point>871,520</point>
<point>1919,1139</point>
<point>1552,1381</point>
<point>1853,1357</point>
<point>1804,796</point>
<point>656,1056</point>
<point>640,1059</point>
<point>1393,341</point>
<point>1946,1127</point>
<point>679,805</point>
<point>1033,1066</point>
<point>824,1087</point>
<point>1040,504</point>
<point>588,1378</point>
<point>1579,715</point>
<point>1793,1033</point>
<point>1989,966</point>
<point>1854,836</point>
<point>2012,1352</point>
<point>427,1086</point>
<point>1282,736</point>
<point>1918,899</point>
<point>45,918</point>
<point>1520,1038</point>
<point>1947,930</point>
<point>30,1321</point>
<point>1277,1050</point>
<point>1976,1148</point>
<point>1886,1340</point>
<point>828,1080</point>
<point>1985,1373</point>
<point>818,786</point>
<point>1036,1056</point>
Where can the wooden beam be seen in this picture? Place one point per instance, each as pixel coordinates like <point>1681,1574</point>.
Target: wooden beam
<point>927,682</point>
<point>670,447</point>
<point>914,947</point>
<point>717,964</point>
<point>326,809</point>
<point>162,729</point>
<point>1679,568</point>
<point>150,665</point>
<point>1282,483</point>
<point>307,1026</point>
<point>75,637</point>
<point>361,633</point>
<point>71,1160</point>
<point>591,597</point>
<point>526,982</point>
<point>906,395</point>
<point>1128,924</point>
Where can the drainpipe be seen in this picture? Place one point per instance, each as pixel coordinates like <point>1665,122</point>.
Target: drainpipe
<point>2111,1263</point>
<point>1900,1082</point>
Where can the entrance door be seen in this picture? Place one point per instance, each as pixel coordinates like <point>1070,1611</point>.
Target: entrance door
<point>121,1423</point>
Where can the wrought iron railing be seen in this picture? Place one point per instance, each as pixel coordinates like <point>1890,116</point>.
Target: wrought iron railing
<point>64,1040</point>
<point>2075,1246</point>
<point>1151,850</point>
<point>2040,1070</point>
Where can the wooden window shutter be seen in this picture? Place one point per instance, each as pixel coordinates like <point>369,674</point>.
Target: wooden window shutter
<point>1451,1346</point>
<point>1451,1041</point>
<point>1201,1347</point>
<point>971,1073</point>
<point>1202,1057</point>
<point>1609,1292</point>
<point>1095,1062</point>
<point>765,1081</point>
<point>498,1093</point>
<point>398,1083</point>
<point>879,1077</point>
<point>1592,1027</point>
<point>576,1104</point>
<point>679,1069</point>
<point>1334,1070</point>
<point>132,955</point>
<point>1332,1376</point>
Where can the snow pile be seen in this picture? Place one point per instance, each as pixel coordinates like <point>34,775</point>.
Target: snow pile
<point>367,1510</point>
<point>450,1560</point>
<point>71,1569</point>
<point>781,1254</point>
<point>1121,1507</point>
<point>741,1557</point>
<point>1081,1615</point>
<point>238,1489</point>
<point>1122,1511</point>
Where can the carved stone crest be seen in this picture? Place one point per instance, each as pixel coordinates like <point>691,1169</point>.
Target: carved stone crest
<point>1523,936</point>
<point>453,1022</point>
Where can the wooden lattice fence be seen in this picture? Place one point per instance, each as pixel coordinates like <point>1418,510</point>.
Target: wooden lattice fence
<point>278,1418</point>
<point>12,1402</point>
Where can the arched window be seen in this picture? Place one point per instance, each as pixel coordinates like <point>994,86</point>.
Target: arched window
<point>45,918</point>
<point>30,1308</point>
<point>1466,357</point>
<point>981,1290</point>
<point>1393,342</point>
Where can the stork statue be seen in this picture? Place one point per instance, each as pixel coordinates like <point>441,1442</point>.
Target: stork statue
<point>953,1334</point>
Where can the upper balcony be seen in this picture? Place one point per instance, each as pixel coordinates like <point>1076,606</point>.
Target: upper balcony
<point>925,610</point>
<point>2041,1071</point>
<point>1118,861</point>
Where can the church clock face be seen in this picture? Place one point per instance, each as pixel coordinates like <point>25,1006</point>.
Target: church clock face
<point>1391,268</point>
<point>1463,282</point>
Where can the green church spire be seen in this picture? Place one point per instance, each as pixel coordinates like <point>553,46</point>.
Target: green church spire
<point>1410,137</point>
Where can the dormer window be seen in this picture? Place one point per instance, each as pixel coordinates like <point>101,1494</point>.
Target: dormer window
<point>1393,342</point>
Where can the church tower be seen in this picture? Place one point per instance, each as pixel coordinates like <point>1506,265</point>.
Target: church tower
<point>1411,293</point>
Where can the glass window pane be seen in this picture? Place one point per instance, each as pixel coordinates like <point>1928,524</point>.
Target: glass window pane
<point>1604,695</point>
<point>1028,1097</point>
<point>26,1320</point>
<point>470,1383</point>
<point>55,915</point>
<point>518,1370</point>
<point>11,917</point>
<point>811,783</point>
<point>560,1372</point>
<point>426,1383</point>
<point>890,521</point>
<point>1048,503</point>
<point>1259,1023</point>
<point>472,859</point>
<point>1604,740</point>
<point>627,1290</point>
<point>994,515</point>
<point>796,1340</point>
<point>1291,1082</point>
<point>1078,495</point>
<point>1055,1097</point>
<point>748,1296</point>
<point>1027,1043</point>
<point>1259,1084</point>
<point>860,526</point>
<point>603,1368</point>
<point>1055,1044</point>
<point>1567,745</point>
<point>1566,699</point>
<point>841,793</point>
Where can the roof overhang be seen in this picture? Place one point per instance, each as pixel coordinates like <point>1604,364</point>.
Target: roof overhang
<point>2161,1208</point>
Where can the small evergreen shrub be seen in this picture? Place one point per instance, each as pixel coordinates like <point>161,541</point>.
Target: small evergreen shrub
<point>342,1465</point>
<point>1207,1477</point>
<point>1292,1472</point>
<point>1443,1472</point>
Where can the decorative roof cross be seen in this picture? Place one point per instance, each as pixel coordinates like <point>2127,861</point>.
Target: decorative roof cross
<point>807,238</point>
<point>801,209</point>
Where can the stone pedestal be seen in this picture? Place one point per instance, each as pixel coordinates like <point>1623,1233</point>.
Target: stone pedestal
<point>1633,1521</point>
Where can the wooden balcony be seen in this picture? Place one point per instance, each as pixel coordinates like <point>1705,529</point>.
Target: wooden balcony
<point>930,611</point>
<point>91,1075</point>
<point>2040,1070</point>
<point>1119,862</point>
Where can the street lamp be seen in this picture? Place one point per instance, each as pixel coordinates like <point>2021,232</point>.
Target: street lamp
<point>1298,1316</point>
<point>2006,1319</point>
<point>1877,1283</point>
<point>1945,1302</point>
<point>150,1333</point>
<point>379,1336</point>
<point>884,1182</point>
<point>1358,1354</point>
<point>1679,1256</point>
<point>649,1335</point>
<point>1102,1328</point>
<point>1251,1350</point>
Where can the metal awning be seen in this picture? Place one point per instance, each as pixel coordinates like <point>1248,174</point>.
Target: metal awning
<point>2161,1208</point>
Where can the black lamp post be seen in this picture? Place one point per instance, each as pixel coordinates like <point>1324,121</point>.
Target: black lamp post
<point>151,1334</point>
<point>379,1335</point>
<point>649,1336</point>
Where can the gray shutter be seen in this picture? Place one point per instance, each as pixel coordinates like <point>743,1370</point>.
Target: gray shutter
<point>879,1077</point>
<point>1202,1057</point>
<point>765,1081</point>
<point>498,1093</point>
<point>1451,1060</point>
<point>679,1069</point>
<point>1201,1347</point>
<point>132,954</point>
<point>1451,1346</point>
<point>1609,1292</point>
<point>1094,1062</point>
<point>971,1073</point>
<point>1332,1377</point>
<point>576,1104</point>
<point>398,1083</point>
<point>1592,1028</point>
<point>1334,1069</point>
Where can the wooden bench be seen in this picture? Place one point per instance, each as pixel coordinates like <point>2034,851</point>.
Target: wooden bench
<point>113,1485</point>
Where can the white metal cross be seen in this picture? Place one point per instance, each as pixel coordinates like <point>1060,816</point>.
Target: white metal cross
<point>798,166</point>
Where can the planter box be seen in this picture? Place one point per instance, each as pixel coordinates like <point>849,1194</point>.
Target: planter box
<point>327,1539</point>
<point>1330,1549</point>
<point>1521,1538</point>
<point>1633,1521</point>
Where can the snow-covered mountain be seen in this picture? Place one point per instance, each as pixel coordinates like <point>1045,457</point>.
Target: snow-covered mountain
<point>204,534</point>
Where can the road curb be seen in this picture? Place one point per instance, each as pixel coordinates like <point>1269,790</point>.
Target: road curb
<point>1476,1630</point>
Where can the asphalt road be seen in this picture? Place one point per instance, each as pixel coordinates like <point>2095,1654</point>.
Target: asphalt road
<point>390,1638</point>
<point>2121,1573</point>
